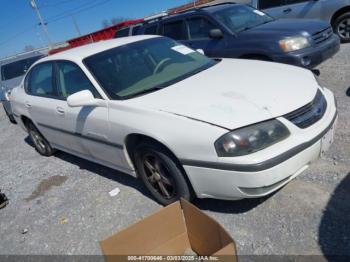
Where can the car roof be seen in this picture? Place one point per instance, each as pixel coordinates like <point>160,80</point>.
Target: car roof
<point>209,8</point>
<point>79,53</point>
<point>214,8</point>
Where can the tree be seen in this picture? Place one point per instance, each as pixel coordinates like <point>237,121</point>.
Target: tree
<point>105,23</point>
<point>113,21</point>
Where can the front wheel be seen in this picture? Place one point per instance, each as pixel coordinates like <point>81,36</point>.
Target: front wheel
<point>161,174</point>
<point>342,27</point>
<point>40,143</point>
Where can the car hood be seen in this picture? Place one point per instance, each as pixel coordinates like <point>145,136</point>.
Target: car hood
<point>235,93</point>
<point>291,26</point>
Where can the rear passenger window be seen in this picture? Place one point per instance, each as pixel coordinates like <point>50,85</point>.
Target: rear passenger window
<point>122,33</point>
<point>199,27</point>
<point>175,30</point>
<point>71,79</point>
<point>135,30</point>
<point>151,29</point>
<point>40,81</point>
<point>265,4</point>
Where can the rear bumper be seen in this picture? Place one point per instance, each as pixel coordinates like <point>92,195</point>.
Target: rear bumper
<point>312,56</point>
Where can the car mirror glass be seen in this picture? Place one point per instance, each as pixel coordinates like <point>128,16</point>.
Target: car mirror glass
<point>216,34</point>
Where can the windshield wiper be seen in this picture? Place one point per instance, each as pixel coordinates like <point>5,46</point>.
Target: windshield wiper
<point>250,27</point>
<point>147,91</point>
<point>246,28</point>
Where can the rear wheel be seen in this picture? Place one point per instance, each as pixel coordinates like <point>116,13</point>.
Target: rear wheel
<point>40,143</point>
<point>161,174</point>
<point>342,27</point>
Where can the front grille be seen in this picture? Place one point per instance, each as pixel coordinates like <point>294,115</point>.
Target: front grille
<point>322,35</point>
<point>310,113</point>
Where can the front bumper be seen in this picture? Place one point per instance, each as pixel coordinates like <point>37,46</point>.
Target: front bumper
<point>232,181</point>
<point>312,56</point>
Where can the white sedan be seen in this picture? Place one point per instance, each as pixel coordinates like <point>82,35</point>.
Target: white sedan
<point>185,124</point>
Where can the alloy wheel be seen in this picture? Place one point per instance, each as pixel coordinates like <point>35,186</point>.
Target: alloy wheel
<point>38,140</point>
<point>344,28</point>
<point>158,176</point>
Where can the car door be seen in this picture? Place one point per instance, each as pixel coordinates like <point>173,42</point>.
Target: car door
<point>44,105</point>
<point>292,8</point>
<point>87,124</point>
<point>199,28</point>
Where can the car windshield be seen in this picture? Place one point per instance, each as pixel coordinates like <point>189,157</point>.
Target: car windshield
<point>144,66</point>
<point>239,18</point>
<point>18,68</point>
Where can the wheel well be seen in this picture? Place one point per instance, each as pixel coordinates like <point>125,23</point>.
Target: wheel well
<point>339,13</point>
<point>25,120</point>
<point>256,56</point>
<point>133,140</point>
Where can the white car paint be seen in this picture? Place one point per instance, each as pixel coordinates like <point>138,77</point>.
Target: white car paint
<point>188,117</point>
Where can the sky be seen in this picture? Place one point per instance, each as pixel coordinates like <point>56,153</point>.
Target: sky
<point>19,24</point>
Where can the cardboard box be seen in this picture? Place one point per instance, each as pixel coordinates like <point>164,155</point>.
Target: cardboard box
<point>169,233</point>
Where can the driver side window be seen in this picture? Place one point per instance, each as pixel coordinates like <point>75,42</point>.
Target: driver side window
<point>71,79</point>
<point>265,4</point>
<point>199,27</point>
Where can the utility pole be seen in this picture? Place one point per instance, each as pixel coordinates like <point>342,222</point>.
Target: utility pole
<point>42,23</point>
<point>76,25</point>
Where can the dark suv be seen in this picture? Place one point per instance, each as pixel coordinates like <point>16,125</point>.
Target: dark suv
<point>240,31</point>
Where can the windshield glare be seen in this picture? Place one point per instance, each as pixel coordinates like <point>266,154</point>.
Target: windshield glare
<point>133,69</point>
<point>240,17</point>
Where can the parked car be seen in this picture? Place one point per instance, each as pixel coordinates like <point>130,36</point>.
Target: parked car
<point>239,31</point>
<point>127,31</point>
<point>11,73</point>
<point>336,12</point>
<point>183,123</point>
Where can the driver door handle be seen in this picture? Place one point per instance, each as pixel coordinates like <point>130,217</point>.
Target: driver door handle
<point>288,10</point>
<point>27,104</point>
<point>60,110</point>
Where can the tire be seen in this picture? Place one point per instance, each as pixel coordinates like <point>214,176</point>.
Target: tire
<point>341,27</point>
<point>41,145</point>
<point>10,117</point>
<point>161,174</point>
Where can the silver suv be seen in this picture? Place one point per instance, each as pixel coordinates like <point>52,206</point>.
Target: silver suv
<point>12,71</point>
<point>336,12</point>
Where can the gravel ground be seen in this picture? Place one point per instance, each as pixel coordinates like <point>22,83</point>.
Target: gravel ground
<point>61,205</point>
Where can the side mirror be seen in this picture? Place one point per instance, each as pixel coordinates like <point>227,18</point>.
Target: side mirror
<point>84,98</point>
<point>216,34</point>
<point>200,51</point>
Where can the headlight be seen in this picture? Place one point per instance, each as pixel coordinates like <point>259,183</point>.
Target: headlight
<point>251,139</point>
<point>294,43</point>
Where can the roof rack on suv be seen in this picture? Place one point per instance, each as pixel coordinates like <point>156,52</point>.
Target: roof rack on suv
<point>160,16</point>
<point>155,16</point>
<point>196,8</point>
